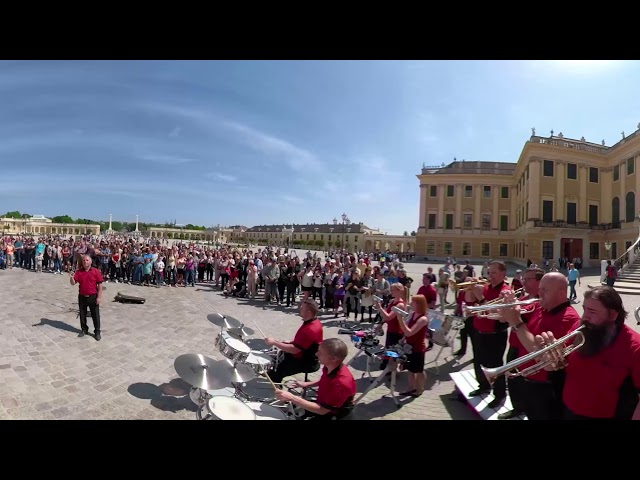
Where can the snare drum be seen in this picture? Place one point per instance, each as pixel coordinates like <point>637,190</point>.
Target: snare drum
<point>225,408</point>
<point>256,390</point>
<point>200,396</point>
<point>259,362</point>
<point>259,345</point>
<point>264,411</point>
<point>232,348</point>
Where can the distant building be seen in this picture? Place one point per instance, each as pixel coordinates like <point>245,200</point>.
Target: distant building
<point>563,198</point>
<point>41,225</point>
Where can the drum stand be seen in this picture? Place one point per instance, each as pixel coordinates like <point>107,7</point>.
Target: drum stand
<point>392,368</point>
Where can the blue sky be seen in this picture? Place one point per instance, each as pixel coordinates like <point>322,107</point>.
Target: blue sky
<point>284,141</point>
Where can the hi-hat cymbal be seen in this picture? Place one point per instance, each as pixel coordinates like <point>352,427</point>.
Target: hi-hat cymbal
<point>240,373</point>
<point>224,321</point>
<point>203,372</point>
<point>240,332</point>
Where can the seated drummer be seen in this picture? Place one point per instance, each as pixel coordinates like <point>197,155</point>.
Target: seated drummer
<point>300,354</point>
<point>336,387</point>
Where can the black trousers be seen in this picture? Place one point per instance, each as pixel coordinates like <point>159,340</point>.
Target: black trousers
<point>541,401</point>
<point>89,301</point>
<point>291,366</point>
<point>488,351</point>
<point>465,333</point>
<point>516,386</point>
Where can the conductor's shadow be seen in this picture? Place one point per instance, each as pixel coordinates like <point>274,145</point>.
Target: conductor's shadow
<point>169,397</point>
<point>57,324</point>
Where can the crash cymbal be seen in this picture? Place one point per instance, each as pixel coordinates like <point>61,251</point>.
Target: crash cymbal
<point>224,321</point>
<point>240,373</point>
<point>203,372</point>
<point>240,332</point>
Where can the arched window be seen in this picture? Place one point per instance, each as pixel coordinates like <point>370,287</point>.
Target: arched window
<point>615,210</point>
<point>630,209</point>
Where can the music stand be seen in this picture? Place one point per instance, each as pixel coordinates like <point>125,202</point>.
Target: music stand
<point>439,320</point>
<point>392,367</point>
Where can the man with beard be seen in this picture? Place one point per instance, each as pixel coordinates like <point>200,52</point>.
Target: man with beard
<point>602,378</point>
<point>538,396</point>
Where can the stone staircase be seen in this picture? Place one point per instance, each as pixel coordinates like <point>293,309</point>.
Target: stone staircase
<point>628,281</point>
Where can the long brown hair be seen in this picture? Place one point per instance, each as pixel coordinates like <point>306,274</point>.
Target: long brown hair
<point>421,304</point>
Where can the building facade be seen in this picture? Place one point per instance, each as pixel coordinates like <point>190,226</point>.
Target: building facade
<point>41,225</point>
<point>352,236</point>
<point>563,198</point>
<point>214,235</point>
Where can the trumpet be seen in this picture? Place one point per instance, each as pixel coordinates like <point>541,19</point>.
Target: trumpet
<point>496,306</point>
<point>400,312</point>
<point>493,373</point>
<point>472,283</point>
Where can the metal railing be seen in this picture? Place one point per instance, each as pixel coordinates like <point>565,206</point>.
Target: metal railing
<point>628,257</point>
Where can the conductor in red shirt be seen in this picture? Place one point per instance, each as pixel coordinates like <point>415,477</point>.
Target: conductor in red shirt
<point>336,387</point>
<point>89,295</point>
<point>300,353</point>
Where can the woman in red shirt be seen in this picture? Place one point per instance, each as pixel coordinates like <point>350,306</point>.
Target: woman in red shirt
<point>394,334</point>
<point>415,333</point>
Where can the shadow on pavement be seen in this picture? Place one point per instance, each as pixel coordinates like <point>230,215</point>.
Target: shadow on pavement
<point>168,397</point>
<point>56,324</point>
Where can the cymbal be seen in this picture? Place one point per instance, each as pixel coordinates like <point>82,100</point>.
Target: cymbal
<point>224,321</point>
<point>203,372</point>
<point>240,373</point>
<point>240,332</point>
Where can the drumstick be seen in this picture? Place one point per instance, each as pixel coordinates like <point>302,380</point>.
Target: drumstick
<point>275,389</point>
<point>259,329</point>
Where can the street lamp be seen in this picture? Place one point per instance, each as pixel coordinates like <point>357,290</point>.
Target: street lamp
<point>607,246</point>
<point>345,221</point>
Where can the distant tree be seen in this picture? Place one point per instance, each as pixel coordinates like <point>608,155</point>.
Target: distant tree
<point>62,219</point>
<point>15,214</point>
<point>117,226</point>
<point>413,234</point>
<point>337,243</point>
<point>405,233</point>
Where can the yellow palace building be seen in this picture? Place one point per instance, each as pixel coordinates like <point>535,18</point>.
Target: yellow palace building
<point>563,198</point>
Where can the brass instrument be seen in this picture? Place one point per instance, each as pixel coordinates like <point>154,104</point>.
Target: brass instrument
<point>488,310</point>
<point>493,373</point>
<point>400,312</point>
<point>378,299</point>
<point>472,283</point>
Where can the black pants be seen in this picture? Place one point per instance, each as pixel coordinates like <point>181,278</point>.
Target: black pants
<point>488,351</point>
<point>465,333</point>
<point>291,366</point>
<point>94,308</point>
<point>517,387</point>
<point>282,287</point>
<point>541,401</point>
<point>392,339</point>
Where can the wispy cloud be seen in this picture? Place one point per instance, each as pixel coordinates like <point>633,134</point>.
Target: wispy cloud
<point>298,158</point>
<point>222,176</point>
<point>292,199</point>
<point>127,193</point>
<point>166,159</point>
<point>175,132</point>
<point>363,196</point>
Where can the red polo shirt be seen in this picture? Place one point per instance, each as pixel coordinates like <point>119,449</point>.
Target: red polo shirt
<point>336,389</point>
<point>88,280</point>
<point>309,334</point>
<point>392,326</point>
<point>532,311</point>
<point>605,385</point>
<point>559,321</point>
<point>429,293</point>
<point>486,325</point>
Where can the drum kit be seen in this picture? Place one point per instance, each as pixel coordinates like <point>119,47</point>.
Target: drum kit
<point>237,387</point>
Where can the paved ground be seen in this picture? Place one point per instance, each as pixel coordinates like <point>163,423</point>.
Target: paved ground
<point>47,372</point>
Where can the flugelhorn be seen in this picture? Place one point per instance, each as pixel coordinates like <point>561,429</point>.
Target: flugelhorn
<point>400,312</point>
<point>487,310</point>
<point>493,373</point>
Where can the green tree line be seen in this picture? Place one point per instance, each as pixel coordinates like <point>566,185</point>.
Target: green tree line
<point>104,225</point>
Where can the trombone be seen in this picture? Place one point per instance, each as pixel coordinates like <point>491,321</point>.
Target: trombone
<point>493,373</point>
<point>469,284</point>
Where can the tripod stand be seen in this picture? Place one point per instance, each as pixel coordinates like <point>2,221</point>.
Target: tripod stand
<point>392,368</point>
